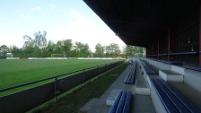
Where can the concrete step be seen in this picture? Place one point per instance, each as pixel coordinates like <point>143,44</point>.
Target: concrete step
<point>112,96</point>
<point>171,76</point>
<point>142,104</point>
<point>89,105</point>
<point>191,94</point>
<point>142,88</point>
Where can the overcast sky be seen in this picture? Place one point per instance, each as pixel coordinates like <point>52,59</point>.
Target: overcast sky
<point>62,19</point>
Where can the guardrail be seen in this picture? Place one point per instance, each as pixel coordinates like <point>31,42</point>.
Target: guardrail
<point>25,100</point>
<point>178,58</point>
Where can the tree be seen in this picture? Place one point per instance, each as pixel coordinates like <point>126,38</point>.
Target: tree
<point>140,52</point>
<point>58,48</point>
<point>67,46</point>
<point>28,51</point>
<point>4,50</point>
<point>82,50</point>
<point>50,48</point>
<point>39,41</point>
<point>63,47</point>
<point>134,51</point>
<point>37,52</point>
<point>130,50</point>
<point>28,41</point>
<point>17,52</point>
<point>99,50</point>
<point>113,50</point>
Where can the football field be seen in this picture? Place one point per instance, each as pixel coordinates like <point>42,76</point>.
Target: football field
<point>15,72</point>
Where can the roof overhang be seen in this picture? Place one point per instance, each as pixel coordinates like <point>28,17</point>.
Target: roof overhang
<point>137,22</point>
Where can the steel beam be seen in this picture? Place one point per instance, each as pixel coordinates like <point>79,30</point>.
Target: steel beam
<point>138,21</point>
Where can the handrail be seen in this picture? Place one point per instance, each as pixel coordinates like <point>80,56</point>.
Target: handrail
<point>48,78</point>
<point>165,61</point>
<point>193,67</point>
<point>179,53</point>
<point>164,54</point>
<point>185,53</point>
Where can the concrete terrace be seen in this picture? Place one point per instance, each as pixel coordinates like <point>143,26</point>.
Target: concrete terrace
<point>143,99</point>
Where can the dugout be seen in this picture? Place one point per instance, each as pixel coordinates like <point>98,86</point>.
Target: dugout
<point>170,30</point>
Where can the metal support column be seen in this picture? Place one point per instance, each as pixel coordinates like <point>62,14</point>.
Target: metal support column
<point>152,49</point>
<point>170,44</point>
<point>147,51</point>
<point>158,48</point>
<point>200,36</point>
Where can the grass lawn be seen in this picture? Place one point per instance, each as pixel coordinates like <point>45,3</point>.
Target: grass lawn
<point>14,72</point>
<point>72,102</point>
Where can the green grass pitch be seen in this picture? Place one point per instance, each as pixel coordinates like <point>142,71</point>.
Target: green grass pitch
<point>14,72</point>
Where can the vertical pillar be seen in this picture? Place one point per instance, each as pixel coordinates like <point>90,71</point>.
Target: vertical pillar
<point>200,36</point>
<point>152,49</point>
<point>158,48</point>
<point>147,49</point>
<point>170,44</point>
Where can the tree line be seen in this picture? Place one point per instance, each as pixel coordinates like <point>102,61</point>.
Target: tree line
<point>38,46</point>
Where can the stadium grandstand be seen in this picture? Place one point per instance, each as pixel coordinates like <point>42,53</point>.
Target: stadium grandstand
<point>168,78</point>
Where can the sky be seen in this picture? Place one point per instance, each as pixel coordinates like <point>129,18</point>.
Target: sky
<point>61,19</point>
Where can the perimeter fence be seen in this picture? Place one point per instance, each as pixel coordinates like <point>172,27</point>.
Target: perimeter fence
<point>25,100</point>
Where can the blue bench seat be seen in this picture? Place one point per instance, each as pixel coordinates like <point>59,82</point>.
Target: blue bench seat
<point>148,69</point>
<point>172,100</point>
<point>131,76</point>
<point>121,103</point>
